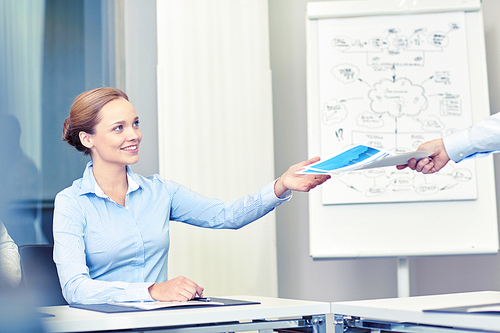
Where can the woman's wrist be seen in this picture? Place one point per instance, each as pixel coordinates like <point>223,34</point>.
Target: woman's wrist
<point>150,289</point>
<point>279,188</point>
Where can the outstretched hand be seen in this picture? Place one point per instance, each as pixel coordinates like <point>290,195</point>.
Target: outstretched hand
<point>431,164</point>
<point>291,180</point>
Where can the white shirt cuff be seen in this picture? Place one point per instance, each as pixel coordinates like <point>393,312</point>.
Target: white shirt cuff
<point>458,146</point>
<point>139,291</point>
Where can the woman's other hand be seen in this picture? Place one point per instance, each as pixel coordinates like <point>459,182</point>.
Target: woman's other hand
<point>178,289</point>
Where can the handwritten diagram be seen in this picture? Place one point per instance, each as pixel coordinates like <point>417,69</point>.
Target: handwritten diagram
<point>393,83</point>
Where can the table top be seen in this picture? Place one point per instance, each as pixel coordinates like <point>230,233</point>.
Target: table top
<point>410,309</point>
<point>67,319</point>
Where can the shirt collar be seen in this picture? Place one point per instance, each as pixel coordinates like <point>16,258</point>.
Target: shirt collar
<point>89,185</point>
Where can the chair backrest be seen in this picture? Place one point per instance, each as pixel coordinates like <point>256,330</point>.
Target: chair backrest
<point>39,274</point>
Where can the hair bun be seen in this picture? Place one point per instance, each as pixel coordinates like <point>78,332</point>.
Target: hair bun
<point>66,134</point>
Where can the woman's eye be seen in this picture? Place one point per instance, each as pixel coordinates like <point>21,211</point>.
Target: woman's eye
<point>136,123</point>
<point>118,128</point>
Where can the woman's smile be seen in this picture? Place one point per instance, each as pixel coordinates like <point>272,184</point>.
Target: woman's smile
<point>134,148</point>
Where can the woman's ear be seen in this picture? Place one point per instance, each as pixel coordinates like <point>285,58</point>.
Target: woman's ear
<point>86,139</point>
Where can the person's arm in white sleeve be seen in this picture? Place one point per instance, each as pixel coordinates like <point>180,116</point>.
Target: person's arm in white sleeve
<point>10,265</point>
<point>479,140</point>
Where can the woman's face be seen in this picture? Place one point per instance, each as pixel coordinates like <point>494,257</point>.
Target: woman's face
<point>117,135</point>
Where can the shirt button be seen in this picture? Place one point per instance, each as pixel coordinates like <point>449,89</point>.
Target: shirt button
<point>127,208</point>
<point>461,155</point>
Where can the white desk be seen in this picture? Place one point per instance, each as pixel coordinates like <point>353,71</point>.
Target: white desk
<point>270,314</point>
<point>406,314</point>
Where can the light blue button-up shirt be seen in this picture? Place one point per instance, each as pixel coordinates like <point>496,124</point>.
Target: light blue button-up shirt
<point>106,252</point>
<point>479,140</point>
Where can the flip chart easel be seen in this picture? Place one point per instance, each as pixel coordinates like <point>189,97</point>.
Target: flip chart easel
<point>429,226</point>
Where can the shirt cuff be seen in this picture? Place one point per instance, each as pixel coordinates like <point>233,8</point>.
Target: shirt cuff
<point>139,291</point>
<point>269,198</point>
<point>458,146</point>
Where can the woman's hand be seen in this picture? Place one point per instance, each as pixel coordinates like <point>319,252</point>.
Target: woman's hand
<point>291,180</point>
<point>179,289</point>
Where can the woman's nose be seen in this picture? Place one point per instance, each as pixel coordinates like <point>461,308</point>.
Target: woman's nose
<point>133,134</point>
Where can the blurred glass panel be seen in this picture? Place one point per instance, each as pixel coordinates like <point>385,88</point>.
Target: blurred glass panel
<point>21,45</point>
<point>50,51</point>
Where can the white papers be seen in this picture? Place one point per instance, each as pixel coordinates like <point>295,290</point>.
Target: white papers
<point>398,159</point>
<point>480,309</point>
<point>362,157</point>
<point>161,305</point>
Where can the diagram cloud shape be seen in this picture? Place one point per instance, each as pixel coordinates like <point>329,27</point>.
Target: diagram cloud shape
<point>398,98</point>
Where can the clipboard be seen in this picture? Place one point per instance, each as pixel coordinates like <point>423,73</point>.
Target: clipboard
<point>114,308</point>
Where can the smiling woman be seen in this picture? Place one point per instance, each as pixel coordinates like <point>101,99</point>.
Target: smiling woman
<point>111,227</point>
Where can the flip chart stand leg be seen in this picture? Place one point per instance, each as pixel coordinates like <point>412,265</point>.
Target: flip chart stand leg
<point>403,277</point>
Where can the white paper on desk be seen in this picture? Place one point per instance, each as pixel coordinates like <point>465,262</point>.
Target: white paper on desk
<point>160,305</point>
<point>489,308</point>
<point>399,159</point>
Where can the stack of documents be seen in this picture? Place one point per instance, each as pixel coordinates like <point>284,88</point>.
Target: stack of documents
<point>362,157</point>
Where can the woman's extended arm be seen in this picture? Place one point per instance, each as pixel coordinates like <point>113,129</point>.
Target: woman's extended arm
<point>290,180</point>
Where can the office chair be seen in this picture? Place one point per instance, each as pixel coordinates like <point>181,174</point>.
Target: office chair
<point>39,274</point>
